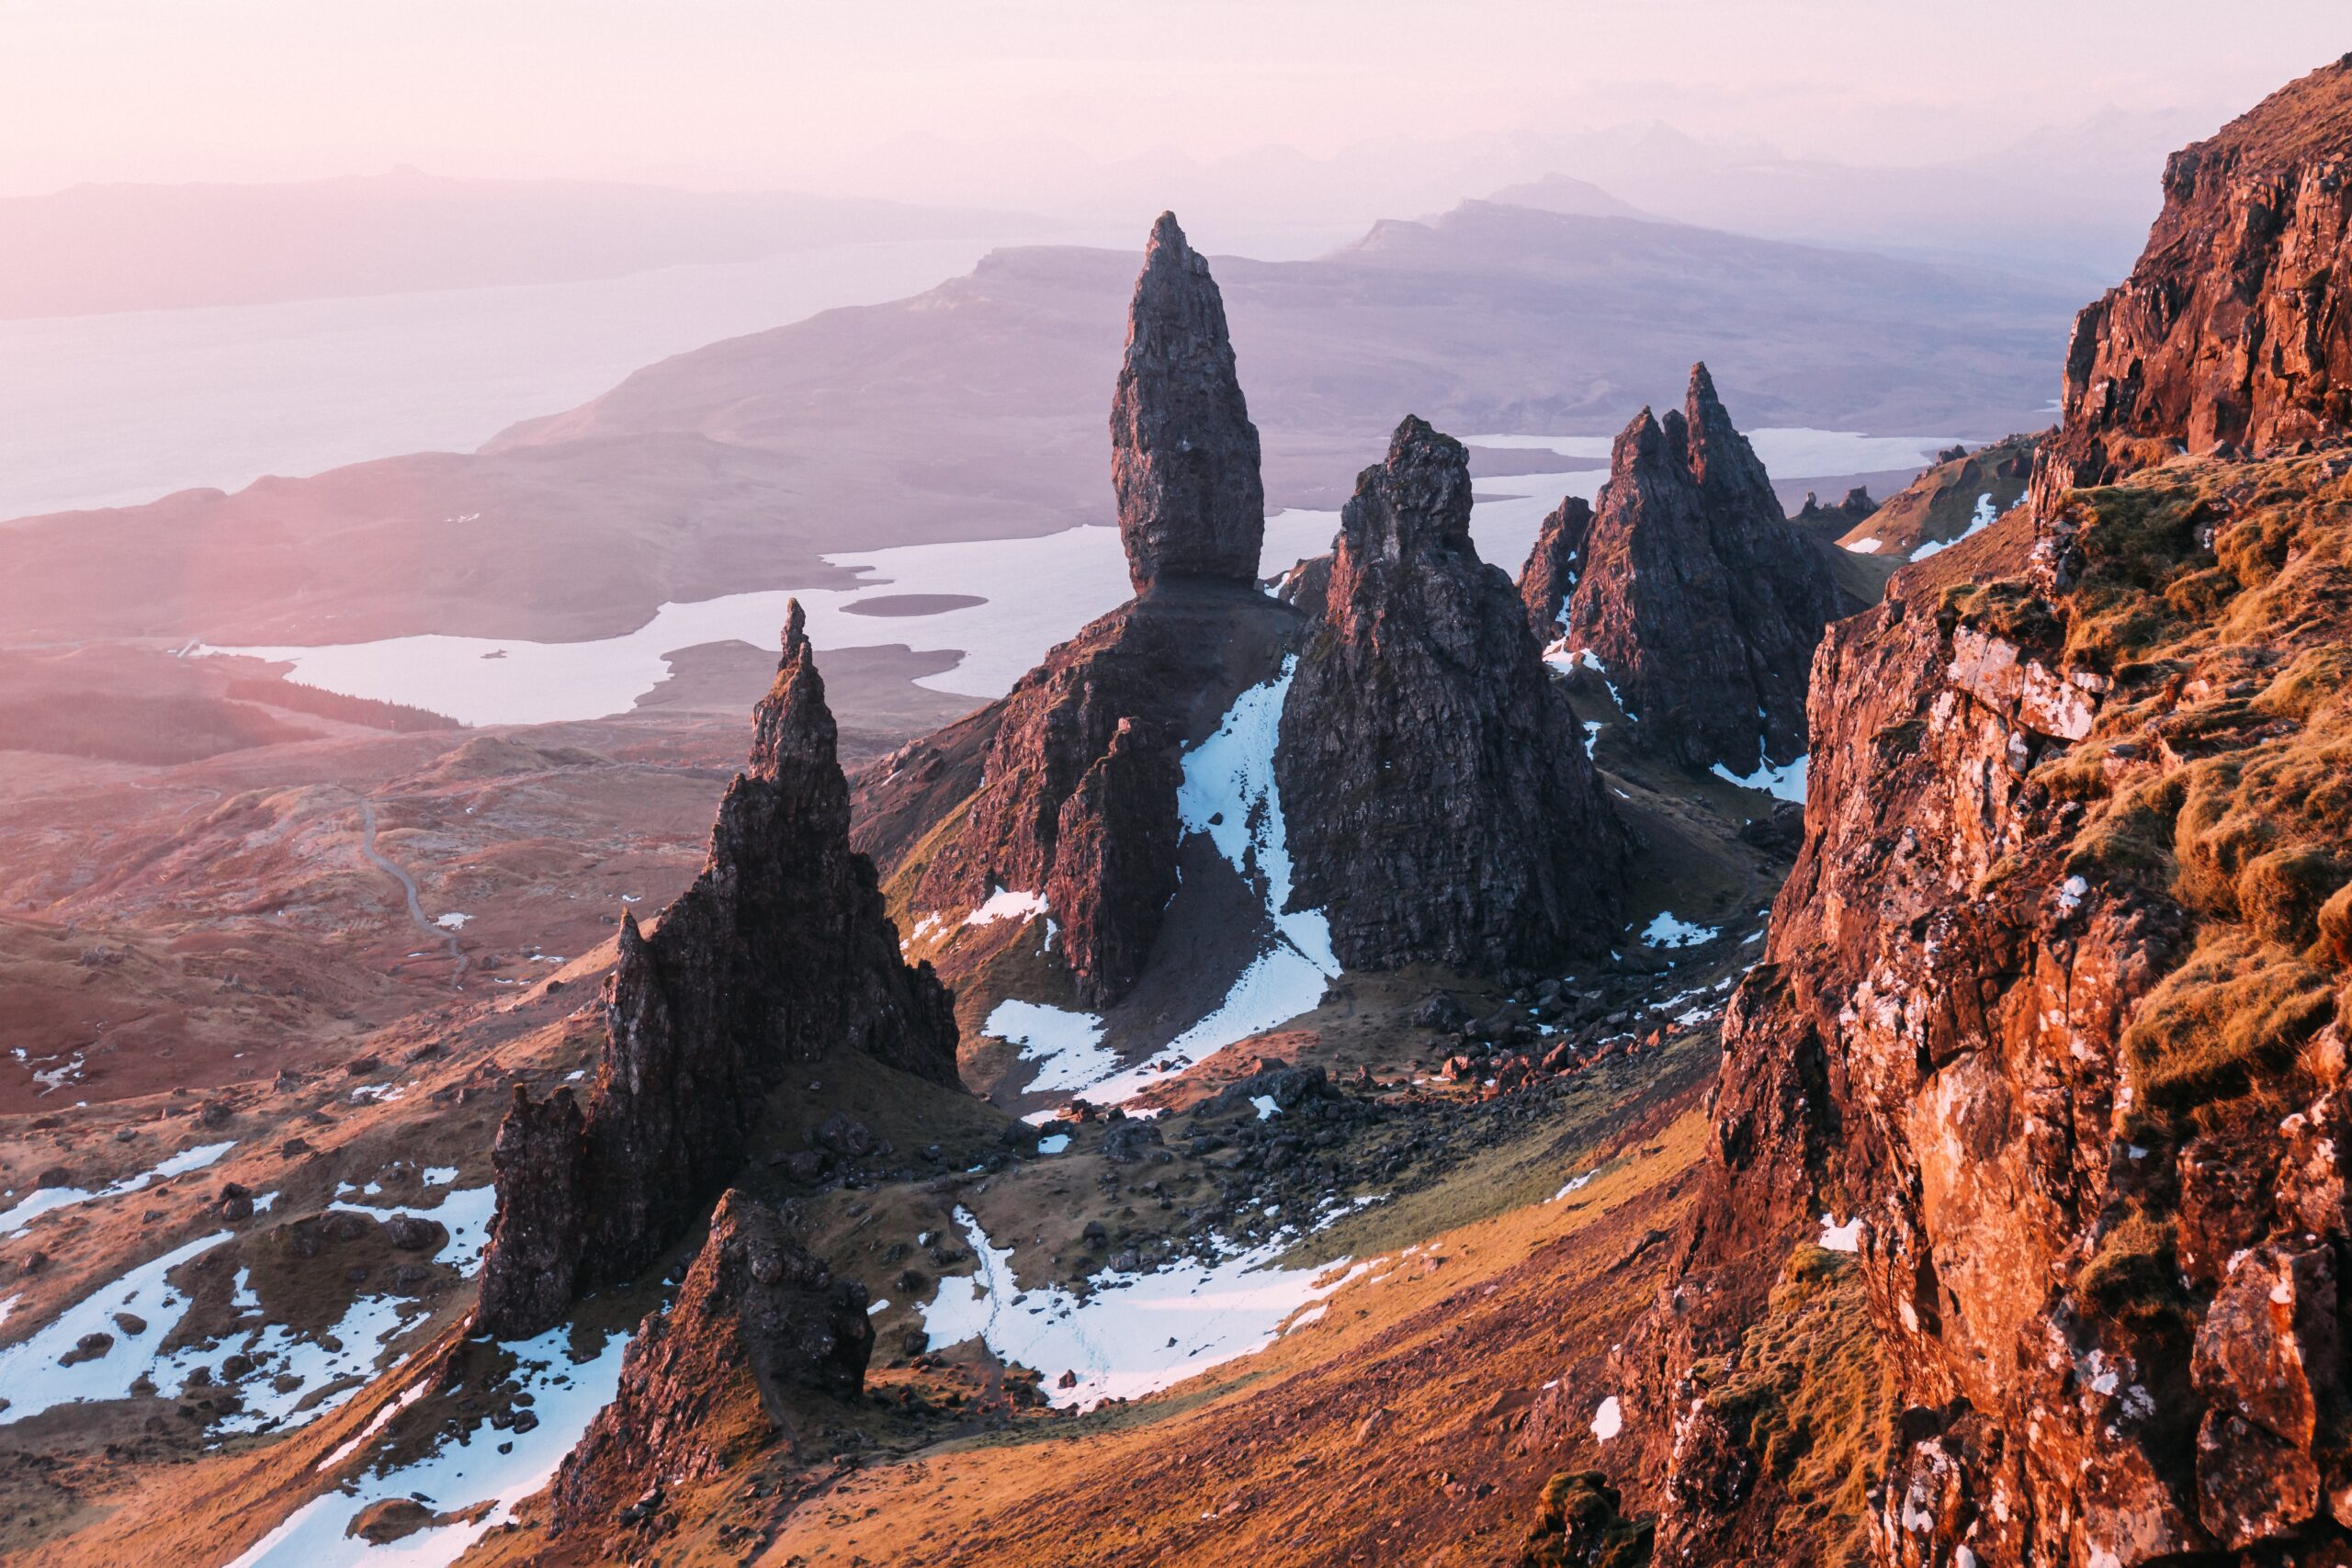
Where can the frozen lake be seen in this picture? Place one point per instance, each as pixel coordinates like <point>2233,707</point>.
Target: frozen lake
<point>1034,593</point>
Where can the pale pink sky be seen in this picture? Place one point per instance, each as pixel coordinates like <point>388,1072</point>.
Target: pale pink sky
<point>841,95</point>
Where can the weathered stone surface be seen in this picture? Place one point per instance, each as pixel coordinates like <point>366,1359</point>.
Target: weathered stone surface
<point>1439,804</point>
<point>758,1325</point>
<point>1703,603</point>
<point>1184,453</point>
<point>2230,328</point>
<point>779,953</point>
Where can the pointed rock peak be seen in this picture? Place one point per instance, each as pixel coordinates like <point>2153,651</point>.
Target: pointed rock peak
<point>1702,396</point>
<point>1184,453</point>
<point>793,724</point>
<point>1416,498</point>
<point>1168,239</point>
<point>1640,441</point>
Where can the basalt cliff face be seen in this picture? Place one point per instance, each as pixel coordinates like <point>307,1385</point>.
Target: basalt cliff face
<point>2232,327</point>
<point>1075,803</point>
<point>1435,783</point>
<point>779,954</point>
<point>1699,600</point>
<point>2050,1030</point>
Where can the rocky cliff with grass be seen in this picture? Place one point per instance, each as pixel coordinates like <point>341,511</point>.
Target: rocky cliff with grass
<point>2049,1032</point>
<point>1700,603</point>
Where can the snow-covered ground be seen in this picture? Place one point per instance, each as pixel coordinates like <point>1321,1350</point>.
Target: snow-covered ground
<point>1068,1045</point>
<point>484,1466</point>
<point>1785,781</point>
<point>42,1199</point>
<point>1665,930</point>
<point>1132,1334</point>
<point>33,1378</point>
<point>1983,517</point>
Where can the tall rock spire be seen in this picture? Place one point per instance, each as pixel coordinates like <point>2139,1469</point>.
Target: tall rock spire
<point>779,954</point>
<point>1438,803</point>
<point>1184,453</point>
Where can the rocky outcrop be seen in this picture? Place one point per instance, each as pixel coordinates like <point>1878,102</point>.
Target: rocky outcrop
<point>1439,804</point>
<point>779,954</point>
<point>1857,505</point>
<point>1184,453</point>
<point>758,1326</point>
<point>1702,603</point>
<point>1963,495</point>
<point>1076,802</point>
<point>2052,1019</point>
<point>2230,329</point>
<point>1549,577</point>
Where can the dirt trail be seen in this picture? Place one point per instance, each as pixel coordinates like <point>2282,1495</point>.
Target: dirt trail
<point>408,889</point>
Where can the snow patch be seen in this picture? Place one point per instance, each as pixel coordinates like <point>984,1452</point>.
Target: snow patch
<point>1132,1334</point>
<point>1784,782</point>
<point>1609,1420</point>
<point>1847,1237</point>
<point>1006,904</point>
<point>455,921</point>
<point>1665,930</point>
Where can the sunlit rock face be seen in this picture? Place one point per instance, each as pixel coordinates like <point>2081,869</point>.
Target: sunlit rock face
<point>2052,1020</point>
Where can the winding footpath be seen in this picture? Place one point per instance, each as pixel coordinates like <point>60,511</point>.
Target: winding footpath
<point>408,888</point>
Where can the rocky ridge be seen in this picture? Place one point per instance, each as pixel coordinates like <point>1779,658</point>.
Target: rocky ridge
<point>2050,1031</point>
<point>2231,330</point>
<point>1700,602</point>
<point>1439,800</point>
<point>779,954</point>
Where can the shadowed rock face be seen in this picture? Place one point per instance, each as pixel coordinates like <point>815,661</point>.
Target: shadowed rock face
<point>1554,563</point>
<point>2055,1001</point>
<point>1078,795</point>
<point>1439,804</point>
<point>1703,602</point>
<point>779,953</point>
<point>1184,453</point>
<point>758,1324</point>
<point>2231,327</point>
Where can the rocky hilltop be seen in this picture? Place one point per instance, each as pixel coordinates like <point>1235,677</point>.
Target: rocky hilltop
<point>779,954</point>
<point>2230,330</point>
<point>1696,596</point>
<point>2047,1048</point>
<point>1439,798</point>
<point>1073,812</point>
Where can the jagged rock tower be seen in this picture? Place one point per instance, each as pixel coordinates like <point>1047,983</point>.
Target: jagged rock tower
<point>779,954</point>
<point>1697,597</point>
<point>1077,797</point>
<point>1440,805</point>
